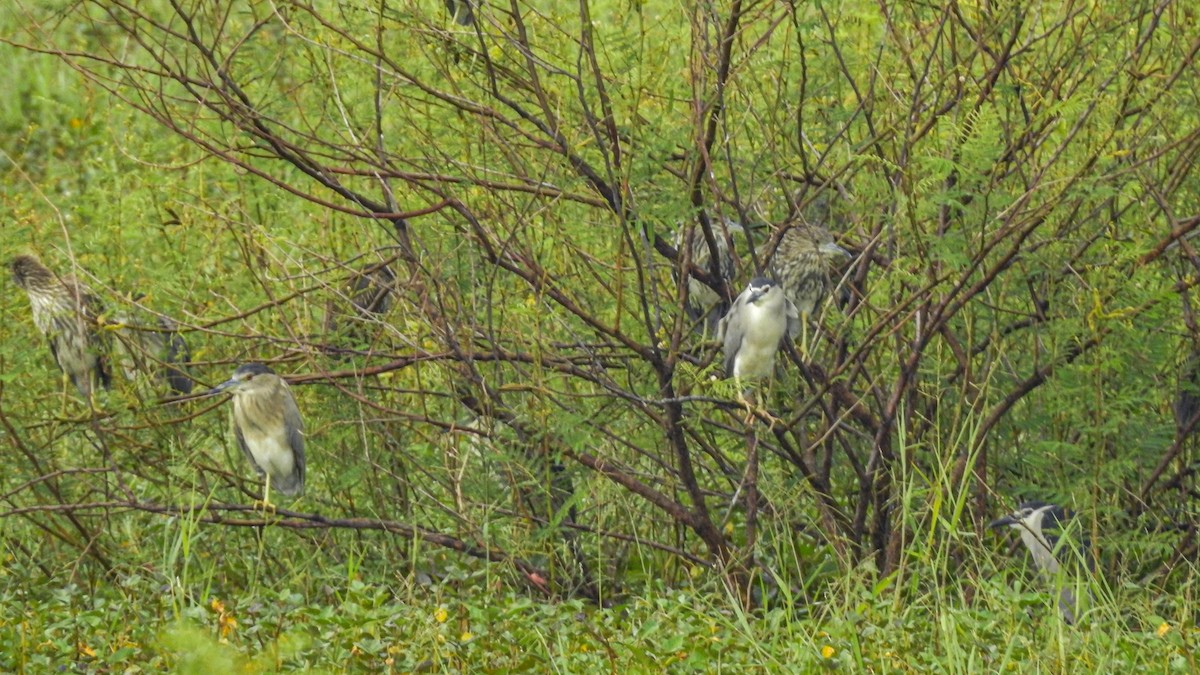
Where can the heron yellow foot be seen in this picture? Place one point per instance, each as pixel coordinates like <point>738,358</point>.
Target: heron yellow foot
<point>804,337</point>
<point>267,508</point>
<point>761,413</point>
<point>754,410</point>
<point>745,402</point>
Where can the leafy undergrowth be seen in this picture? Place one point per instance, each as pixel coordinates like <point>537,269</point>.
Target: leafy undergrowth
<point>142,624</point>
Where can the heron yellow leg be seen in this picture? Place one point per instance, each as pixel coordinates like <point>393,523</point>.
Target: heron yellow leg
<point>741,398</point>
<point>804,336</point>
<point>92,398</point>
<point>265,504</point>
<point>65,381</point>
<point>753,407</point>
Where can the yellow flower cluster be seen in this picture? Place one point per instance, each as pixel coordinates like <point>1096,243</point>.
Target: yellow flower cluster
<point>226,623</point>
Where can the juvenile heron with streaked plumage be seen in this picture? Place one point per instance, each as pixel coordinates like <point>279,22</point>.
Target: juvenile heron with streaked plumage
<point>706,306</point>
<point>67,312</point>
<point>151,343</point>
<point>801,264</point>
<point>365,299</point>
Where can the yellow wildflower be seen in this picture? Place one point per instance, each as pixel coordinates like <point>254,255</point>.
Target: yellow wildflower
<point>226,624</point>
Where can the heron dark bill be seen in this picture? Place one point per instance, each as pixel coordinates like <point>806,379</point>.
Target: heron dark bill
<point>268,427</point>
<point>69,315</point>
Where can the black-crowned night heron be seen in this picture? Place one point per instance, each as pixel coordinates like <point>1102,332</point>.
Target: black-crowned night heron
<point>369,291</point>
<point>69,315</point>
<point>705,306</point>
<point>1043,528</point>
<point>801,264</point>
<point>150,343</point>
<point>461,10</point>
<point>757,324</point>
<point>268,428</point>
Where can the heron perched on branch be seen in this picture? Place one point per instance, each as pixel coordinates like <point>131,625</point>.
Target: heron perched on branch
<point>1042,527</point>
<point>150,343</point>
<point>70,316</point>
<point>705,306</point>
<point>268,428</point>
<point>369,291</point>
<point>801,264</point>
<point>757,324</point>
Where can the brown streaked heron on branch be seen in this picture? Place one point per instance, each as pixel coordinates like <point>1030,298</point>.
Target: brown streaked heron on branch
<point>151,343</point>
<point>268,428</point>
<point>70,316</point>
<point>705,306</point>
<point>801,264</point>
<point>369,292</point>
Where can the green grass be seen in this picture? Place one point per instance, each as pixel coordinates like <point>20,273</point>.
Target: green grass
<point>352,626</point>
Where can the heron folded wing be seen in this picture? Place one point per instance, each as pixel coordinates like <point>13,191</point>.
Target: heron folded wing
<point>794,326</point>
<point>237,432</point>
<point>731,335</point>
<point>177,356</point>
<point>295,440</point>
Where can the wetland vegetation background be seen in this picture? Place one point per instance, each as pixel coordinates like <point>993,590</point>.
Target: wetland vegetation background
<point>526,463</point>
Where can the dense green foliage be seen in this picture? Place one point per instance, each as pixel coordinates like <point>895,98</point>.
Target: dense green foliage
<point>524,464</point>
